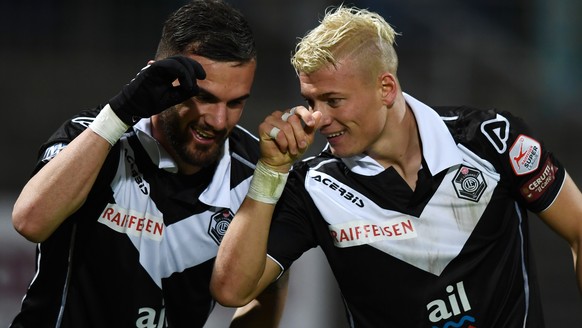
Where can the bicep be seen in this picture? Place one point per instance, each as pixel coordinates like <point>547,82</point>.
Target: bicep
<point>272,276</point>
<point>565,214</point>
<point>266,309</point>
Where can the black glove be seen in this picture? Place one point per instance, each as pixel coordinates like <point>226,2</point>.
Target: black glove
<point>152,92</point>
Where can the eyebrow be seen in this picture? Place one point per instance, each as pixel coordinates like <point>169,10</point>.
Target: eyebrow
<point>210,96</point>
<point>321,96</point>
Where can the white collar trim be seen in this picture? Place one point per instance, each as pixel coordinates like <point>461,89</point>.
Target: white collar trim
<point>217,193</point>
<point>438,146</point>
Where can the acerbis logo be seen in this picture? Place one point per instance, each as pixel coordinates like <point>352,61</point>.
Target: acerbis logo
<point>339,189</point>
<point>83,121</point>
<point>219,223</point>
<point>469,183</point>
<point>497,132</point>
<point>135,174</point>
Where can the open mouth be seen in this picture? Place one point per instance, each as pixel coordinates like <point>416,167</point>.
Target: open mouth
<point>334,135</point>
<point>203,135</point>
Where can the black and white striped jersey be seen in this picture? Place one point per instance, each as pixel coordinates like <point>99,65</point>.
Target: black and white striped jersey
<point>139,253</point>
<point>454,252</point>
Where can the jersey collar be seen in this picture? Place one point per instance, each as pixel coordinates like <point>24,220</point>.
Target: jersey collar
<point>216,194</point>
<point>438,146</point>
<point>157,153</point>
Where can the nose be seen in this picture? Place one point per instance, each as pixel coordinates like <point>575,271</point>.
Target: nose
<point>216,116</point>
<point>325,117</point>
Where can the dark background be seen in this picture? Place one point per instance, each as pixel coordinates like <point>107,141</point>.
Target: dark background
<point>57,57</point>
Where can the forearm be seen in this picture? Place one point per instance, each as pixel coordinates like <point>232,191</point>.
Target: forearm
<point>241,260</point>
<point>60,187</point>
<point>565,217</point>
<point>241,270</point>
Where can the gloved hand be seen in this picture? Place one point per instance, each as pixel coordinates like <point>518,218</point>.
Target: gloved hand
<point>152,92</point>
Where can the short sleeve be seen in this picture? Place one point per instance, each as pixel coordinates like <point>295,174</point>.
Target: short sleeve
<point>534,174</point>
<point>292,232</point>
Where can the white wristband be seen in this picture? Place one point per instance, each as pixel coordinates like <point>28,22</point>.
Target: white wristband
<point>267,185</point>
<point>108,125</point>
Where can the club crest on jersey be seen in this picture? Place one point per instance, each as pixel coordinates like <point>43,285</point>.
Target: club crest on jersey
<point>219,223</point>
<point>524,155</point>
<point>469,183</point>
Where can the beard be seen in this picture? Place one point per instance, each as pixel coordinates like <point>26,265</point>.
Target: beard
<point>182,144</point>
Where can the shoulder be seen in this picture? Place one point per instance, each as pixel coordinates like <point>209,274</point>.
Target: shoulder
<point>516,152</point>
<point>322,161</point>
<point>66,132</point>
<point>466,122</point>
<point>483,129</point>
<point>73,126</point>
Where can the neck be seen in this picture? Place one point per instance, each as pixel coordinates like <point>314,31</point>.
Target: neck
<point>401,148</point>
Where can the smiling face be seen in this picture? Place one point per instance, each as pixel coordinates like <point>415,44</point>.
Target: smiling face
<point>194,131</point>
<point>354,102</point>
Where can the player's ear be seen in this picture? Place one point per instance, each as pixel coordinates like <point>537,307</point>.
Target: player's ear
<point>389,88</point>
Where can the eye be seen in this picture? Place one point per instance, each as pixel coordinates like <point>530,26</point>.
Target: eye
<point>205,98</point>
<point>334,102</point>
<point>236,103</point>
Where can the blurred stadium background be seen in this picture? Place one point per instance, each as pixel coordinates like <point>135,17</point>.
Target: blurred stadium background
<point>58,57</point>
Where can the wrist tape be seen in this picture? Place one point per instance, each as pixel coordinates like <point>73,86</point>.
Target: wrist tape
<point>266,185</point>
<point>108,125</point>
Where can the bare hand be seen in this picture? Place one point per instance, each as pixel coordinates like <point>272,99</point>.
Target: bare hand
<point>285,136</point>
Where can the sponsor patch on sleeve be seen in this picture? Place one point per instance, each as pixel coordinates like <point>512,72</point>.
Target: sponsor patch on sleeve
<point>52,151</point>
<point>536,186</point>
<point>524,155</point>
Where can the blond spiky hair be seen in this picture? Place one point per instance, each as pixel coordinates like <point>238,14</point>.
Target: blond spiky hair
<point>344,32</point>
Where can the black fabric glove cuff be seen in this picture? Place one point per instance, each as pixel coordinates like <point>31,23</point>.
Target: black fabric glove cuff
<point>116,105</point>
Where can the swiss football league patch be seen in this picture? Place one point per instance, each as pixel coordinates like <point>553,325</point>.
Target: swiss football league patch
<point>469,183</point>
<point>219,223</point>
<point>535,187</point>
<point>524,155</point>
